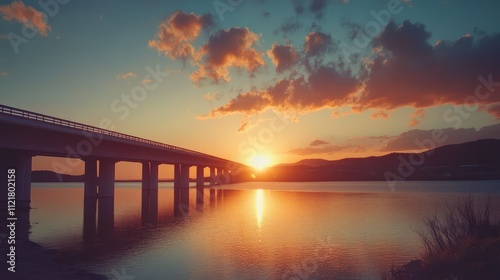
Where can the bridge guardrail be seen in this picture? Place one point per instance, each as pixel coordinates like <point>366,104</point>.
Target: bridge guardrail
<point>62,122</point>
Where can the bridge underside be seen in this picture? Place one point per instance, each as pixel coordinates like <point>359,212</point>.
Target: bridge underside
<point>27,134</point>
<point>99,176</point>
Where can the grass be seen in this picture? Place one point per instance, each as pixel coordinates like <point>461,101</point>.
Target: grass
<point>463,243</point>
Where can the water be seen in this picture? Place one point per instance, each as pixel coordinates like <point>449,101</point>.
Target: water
<point>323,230</point>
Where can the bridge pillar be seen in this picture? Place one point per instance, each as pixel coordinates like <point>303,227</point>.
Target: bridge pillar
<point>153,176</point>
<point>145,175</point>
<point>219,175</point>
<point>227,176</point>
<point>184,179</point>
<point>177,175</point>
<point>16,167</point>
<point>90,184</point>
<point>106,178</point>
<point>213,178</point>
<point>106,200</point>
<point>149,205</point>
<point>200,176</point>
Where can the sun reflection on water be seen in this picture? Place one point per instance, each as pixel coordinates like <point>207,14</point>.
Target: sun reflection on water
<point>259,206</point>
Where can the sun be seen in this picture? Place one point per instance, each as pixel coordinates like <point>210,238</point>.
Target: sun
<point>260,162</point>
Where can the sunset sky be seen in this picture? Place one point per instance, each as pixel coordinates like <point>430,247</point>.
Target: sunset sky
<point>239,79</point>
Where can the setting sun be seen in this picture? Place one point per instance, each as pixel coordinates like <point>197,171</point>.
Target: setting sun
<point>260,162</point>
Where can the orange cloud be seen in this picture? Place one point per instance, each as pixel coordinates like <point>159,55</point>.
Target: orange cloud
<point>317,43</point>
<point>175,36</point>
<point>26,15</point>
<point>126,75</point>
<point>380,115</point>
<point>419,114</point>
<point>282,56</point>
<point>232,47</point>
<point>494,110</point>
<point>325,87</point>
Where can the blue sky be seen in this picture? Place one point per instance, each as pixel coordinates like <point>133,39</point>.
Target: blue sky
<point>357,106</point>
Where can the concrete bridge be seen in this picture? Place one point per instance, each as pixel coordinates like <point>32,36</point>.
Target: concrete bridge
<point>25,134</point>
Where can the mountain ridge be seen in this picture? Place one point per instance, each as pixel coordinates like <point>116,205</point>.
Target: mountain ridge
<point>475,160</point>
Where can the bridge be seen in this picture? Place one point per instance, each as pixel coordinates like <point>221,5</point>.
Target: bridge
<point>26,134</point>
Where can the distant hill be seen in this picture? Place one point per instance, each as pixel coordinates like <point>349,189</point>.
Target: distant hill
<point>477,160</point>
<point>50,176</point>
<point>307,162</point>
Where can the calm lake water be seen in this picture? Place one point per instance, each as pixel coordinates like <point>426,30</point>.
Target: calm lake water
<point>323,230</point>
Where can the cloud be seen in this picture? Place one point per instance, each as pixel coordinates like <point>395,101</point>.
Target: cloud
<point>494,110</point>
<point>233,47</point>
<point>298,7</point>
<point>380,115</point>
<point>408,71</point>
<point>317,43</point>
<point>246,124</point>
<point>317,7</point>
<point>318,142</point>
<point>282,56</point>
<point>126,75</point>
<point>176,34</point>
<point>415,121</point>
<point>289,26</point>
<point>28,16</point>
<point>146,81</point>
<point>3,73</point>
<point>325,87</point>
<point>212,96</point>
<point>408,140</point>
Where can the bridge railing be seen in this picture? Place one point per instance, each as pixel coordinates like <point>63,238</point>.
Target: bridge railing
<point>62,122</point>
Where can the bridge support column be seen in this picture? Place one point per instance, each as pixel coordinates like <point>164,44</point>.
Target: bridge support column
<point>227,176</point>
<point>149,205</point>
<point>106,200</point>
<point>16,166</point>
<point>184,180</point>
<point>213,178</point>
<point>200,176</point>
<point>153,179</point>
<point>90,184</point>
<point>106,178</point>
<point>145,175</point>
<point>219,176</point>
<point>177,175</point>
